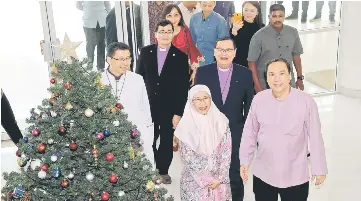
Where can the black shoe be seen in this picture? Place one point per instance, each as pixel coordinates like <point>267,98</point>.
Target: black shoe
<point>293,16</point>
<point>332,20</point>
<point>308,155</point>
<point>303,20</point>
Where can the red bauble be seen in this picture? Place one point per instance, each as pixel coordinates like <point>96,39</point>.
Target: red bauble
<point>35,132</point>
<point>64,183</point>
<point>100,136</point>
<point>73,146</point>
<point>52,80</point>
<point>67,86</point>
<point>105,196</point>
<point>175,148</point>
<point>119,106</point>
<point>41,148</point>
<point>18,153</point>
<point>10,194</point>
<point>109,157</point>
<point>113,178</point>
<point>44,167</point>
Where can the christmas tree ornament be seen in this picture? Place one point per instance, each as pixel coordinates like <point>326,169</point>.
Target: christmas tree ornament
<point>158,182</point>
<point>42,174</point>
<point>95,150</point>
<point>18,153</point>
<point>109,157</point>
<point>30,147</point>
<point>121,193</point>
<point>119,106</point>
<point>22,162</point>
<point>56,172</point>
<point>70,175</point>
<point>50,141</point>
<point>106,133</point>
<point>68,49</point>
<point>73,146</point>
<point>116,123</point>
<point>134,134</point>
<point>131,152</point>
<point>53,114</point>
<point>54,69</point>
<point>89,176</point>
<point>105,196</point>
<point>10,194</point>
<point>150,186</point>
<point>113,178</point>
<point>67,86</point>
<point>26,139</point>
<point>100,136</point>
<point>68,106</point>
<point>53,158</point>
<point>114,110</point>
<point>125,165</point>
<point>51,101</point>
<point>56,95</point>
<point>155,196</point>
<point>102,86</point>
<point>44,167</point>
<point>88,112</point>
<point>64,183</point>
<point>58,154</point>
<point>52,80</point>
<point>35,132</point>
<point>26,197</point>
<point>19,192</point>
<point>41,148</point>
<point>62,130</point>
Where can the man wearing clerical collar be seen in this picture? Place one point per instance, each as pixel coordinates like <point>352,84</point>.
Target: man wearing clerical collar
<point>129,88</point>
<point>165,70</point>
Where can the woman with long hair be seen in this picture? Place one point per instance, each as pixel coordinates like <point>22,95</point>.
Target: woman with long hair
<point>182,37</point>
<point>242,31</point>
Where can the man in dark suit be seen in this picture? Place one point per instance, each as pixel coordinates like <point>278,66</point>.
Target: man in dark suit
<point>166,76</point>
<point>8,121</point>
<point>231,87</point>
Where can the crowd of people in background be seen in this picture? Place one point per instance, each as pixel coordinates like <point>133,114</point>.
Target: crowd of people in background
<point>218,88</point>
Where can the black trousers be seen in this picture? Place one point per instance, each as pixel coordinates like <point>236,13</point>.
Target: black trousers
<point>164,154</point>
<point>237,187</point>
<point>266,192</point>
<point>8,121</point>
<point>95,37</point>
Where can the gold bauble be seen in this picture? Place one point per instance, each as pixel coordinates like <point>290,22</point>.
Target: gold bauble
<point>68,106</point>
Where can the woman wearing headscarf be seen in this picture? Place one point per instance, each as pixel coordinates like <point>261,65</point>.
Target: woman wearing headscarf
<point>205,149</point>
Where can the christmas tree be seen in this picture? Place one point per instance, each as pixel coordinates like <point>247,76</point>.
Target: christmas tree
<point>86,147</point>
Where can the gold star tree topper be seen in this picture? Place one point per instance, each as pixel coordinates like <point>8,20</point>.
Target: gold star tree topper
<point>67,49</point>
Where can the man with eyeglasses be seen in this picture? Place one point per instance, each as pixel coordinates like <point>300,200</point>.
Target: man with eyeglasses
<point>231,86</point>
<point>129,88</point>
<point>165,71</point>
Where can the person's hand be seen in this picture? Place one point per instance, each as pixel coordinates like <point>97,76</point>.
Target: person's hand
<point>175,141</point>
<point>237,25</point>
<point>193,75</point>
<point>244,172</point>
<point>201,59</point>
<point>258,89</point>
<point>175,121</point>
<point>299,84</point>
<point>319,179</point>
<point>214,184</point>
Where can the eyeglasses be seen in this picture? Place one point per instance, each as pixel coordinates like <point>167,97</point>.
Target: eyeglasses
<point>200,100</point>
<point>165,32</point>
<point>220,50</point>
<point>128,59</point>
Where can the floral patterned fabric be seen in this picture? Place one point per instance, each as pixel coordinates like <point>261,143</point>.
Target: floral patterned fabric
<point>155,10</point>
<point>199,170</point>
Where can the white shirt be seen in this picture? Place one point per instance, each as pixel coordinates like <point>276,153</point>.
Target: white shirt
<point>187,14</point>
<point>132,94</point>
<point>94,12</point>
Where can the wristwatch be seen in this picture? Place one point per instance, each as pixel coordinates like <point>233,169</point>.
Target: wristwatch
<point>301,77</point>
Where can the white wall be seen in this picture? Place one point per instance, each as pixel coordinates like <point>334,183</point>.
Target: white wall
<point>349,69</point>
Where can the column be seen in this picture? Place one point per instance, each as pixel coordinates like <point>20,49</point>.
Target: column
<point>349,57</point>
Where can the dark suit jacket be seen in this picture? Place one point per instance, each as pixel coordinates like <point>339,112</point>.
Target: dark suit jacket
<point>168,91</point>
<point>239,97</point>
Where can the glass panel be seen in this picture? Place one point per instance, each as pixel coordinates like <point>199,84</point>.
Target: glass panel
<point>312,14</point>
<point>319,61</point>
<point>24,74</point>
<point>83,21</point>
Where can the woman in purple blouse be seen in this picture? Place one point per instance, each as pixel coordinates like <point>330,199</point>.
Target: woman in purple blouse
<point>283,120</point>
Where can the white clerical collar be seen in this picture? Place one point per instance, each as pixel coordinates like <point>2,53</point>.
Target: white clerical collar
<point>224,69</point>
<point>163,49</point>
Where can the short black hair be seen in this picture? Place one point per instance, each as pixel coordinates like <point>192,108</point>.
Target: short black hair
<point>112,47</point>
<point>278,60</point>
<point>225,39</point>
<point>163,23</point>
<point>277,7</point>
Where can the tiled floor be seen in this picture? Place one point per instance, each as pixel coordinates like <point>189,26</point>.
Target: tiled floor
<point>341,129</point>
